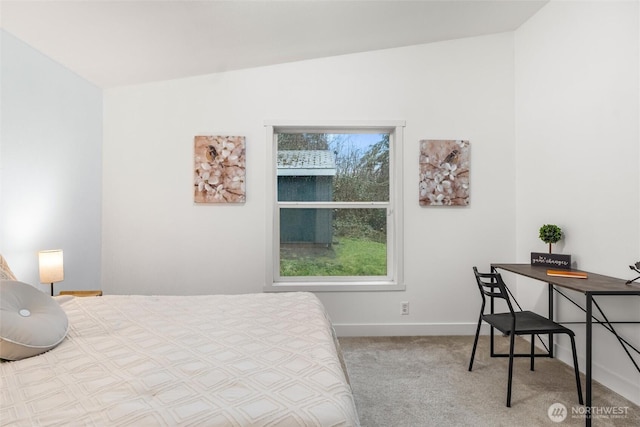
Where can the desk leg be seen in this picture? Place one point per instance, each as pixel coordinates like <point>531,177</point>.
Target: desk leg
<point>589,331</point>
<point>551,310</point>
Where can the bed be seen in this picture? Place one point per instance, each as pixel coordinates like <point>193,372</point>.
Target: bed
<point>214,360</point>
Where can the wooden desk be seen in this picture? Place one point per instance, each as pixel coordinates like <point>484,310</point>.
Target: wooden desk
<point>82,293</point>
<point>594,285</point>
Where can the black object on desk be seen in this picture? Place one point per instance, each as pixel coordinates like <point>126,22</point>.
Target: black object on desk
<point>635,268</point>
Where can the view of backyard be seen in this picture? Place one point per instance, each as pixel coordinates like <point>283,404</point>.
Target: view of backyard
<point>348,257</point>
<point>350,169</point>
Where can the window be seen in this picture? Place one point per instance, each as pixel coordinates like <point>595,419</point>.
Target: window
<point>335,217</point>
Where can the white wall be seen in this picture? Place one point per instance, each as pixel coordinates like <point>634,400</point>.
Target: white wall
<point>577,131</point>
<point>50,166</point>
<point>156,241</point>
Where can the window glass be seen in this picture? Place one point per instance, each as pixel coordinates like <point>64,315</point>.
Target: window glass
<point>333,167</point>
<point>333,242</point>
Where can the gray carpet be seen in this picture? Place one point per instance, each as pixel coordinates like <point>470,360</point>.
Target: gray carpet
<point>424,381</point>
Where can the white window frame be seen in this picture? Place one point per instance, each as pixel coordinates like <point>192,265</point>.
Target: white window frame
<point>394,281</point>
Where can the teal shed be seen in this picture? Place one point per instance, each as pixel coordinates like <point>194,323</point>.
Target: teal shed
<point>306,175</point>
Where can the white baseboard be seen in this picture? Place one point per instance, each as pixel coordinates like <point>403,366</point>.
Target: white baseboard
<point>404,329</point>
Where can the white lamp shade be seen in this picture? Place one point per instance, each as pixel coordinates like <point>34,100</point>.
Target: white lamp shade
<point>51,266</point>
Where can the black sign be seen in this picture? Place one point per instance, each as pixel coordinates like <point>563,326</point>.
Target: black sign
<point>551,260</point>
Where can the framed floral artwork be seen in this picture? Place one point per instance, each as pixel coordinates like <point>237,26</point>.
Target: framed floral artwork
<point>444,172</point>
<point>219,169</point>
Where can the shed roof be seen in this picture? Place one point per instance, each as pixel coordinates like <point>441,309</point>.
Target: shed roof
<point>306,163</point>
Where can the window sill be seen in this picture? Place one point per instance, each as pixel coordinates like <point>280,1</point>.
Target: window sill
<point>334,287</point>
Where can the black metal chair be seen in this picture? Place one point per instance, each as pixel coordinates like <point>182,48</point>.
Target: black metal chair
<point>514,323</point>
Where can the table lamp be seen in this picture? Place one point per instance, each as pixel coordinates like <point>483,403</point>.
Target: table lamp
<point>51,267</point>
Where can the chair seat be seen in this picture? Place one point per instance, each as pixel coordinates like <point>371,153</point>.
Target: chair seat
<point>527,322</point>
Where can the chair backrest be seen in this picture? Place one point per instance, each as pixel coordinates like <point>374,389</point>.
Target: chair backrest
<point>491,285</point>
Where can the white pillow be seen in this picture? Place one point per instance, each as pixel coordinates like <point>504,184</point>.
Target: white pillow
<point>31,322</point>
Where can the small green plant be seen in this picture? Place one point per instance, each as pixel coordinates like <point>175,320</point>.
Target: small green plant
<point>550,234</point>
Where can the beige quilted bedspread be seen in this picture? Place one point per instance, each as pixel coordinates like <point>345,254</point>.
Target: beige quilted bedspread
<point>216,360</point>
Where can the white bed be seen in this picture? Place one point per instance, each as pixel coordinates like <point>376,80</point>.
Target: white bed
<point>216,360</point>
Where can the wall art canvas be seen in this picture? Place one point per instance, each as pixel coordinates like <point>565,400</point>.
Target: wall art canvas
<point>444,172</point>
<point>219,169</point>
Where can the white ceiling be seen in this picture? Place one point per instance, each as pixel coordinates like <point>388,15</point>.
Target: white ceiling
<point>112,43</point>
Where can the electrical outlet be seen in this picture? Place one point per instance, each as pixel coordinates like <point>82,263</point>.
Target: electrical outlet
<point>404,308</point>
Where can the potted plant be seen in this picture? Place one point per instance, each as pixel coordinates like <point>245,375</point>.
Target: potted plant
<point>550,233</point>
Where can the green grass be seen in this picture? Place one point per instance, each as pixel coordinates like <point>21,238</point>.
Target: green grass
<point>349,257</point>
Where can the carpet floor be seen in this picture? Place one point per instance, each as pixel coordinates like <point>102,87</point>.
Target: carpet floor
<point>424,381</point>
